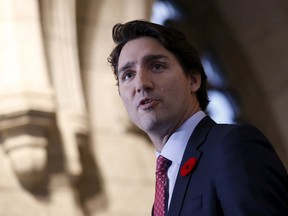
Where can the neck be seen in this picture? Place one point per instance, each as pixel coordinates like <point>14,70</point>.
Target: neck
<point>159,139</point>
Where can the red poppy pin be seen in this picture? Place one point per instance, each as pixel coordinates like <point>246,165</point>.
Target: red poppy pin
<point>188,166</point>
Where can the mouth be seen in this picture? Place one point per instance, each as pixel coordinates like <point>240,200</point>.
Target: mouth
<point>147,103</point>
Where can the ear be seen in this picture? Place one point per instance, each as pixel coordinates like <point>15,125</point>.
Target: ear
<point>195,82</point>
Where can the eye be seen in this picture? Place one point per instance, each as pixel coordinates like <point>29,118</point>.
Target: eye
<point>127,75</point>
<point>158,66</point>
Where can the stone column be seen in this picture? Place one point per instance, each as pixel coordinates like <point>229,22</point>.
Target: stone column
<point>27,103</point>
<point>59,24</point>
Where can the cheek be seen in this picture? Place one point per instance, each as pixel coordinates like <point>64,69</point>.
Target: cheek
<point>127,102</point>
<point>127,96</point>
<point>164,85</point>
<point>123,93</point>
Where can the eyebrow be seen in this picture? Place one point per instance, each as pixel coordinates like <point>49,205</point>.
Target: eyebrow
<point>146,59</point>
<point>127,65</point>
<point>150,58</point>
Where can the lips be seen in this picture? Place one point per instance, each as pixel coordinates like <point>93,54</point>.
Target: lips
<point>147,103</point>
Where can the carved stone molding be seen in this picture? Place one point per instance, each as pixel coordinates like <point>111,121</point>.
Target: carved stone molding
<point>25,139</point>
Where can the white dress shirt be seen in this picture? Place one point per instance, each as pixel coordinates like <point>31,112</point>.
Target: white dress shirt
<point>175,147</point>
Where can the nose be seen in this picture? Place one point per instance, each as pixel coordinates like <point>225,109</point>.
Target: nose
<point>144,81</point>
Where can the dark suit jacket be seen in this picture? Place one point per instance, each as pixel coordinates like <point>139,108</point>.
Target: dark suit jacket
<point>237,174</point>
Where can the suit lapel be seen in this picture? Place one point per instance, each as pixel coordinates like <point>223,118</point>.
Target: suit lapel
<point>197,138</point>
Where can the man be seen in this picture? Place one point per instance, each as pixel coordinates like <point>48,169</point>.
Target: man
<point>213,169</point>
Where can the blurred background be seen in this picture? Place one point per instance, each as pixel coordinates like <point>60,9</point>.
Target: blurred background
<point>66,144</point>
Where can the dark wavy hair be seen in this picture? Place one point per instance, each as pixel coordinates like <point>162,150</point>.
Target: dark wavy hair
<point>172,39</point>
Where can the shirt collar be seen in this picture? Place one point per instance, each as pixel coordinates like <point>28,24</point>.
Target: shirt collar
<point>177,142</point>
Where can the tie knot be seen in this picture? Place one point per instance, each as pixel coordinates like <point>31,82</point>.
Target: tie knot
<point>162,164</point>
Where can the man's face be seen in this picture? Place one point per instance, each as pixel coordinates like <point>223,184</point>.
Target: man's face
<point>156,93</point>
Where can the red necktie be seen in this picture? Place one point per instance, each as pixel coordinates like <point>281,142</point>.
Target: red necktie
<point>161,192</point>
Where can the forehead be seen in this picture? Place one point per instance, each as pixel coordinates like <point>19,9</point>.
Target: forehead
<point>143,42</point>
<point>137,49</point>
